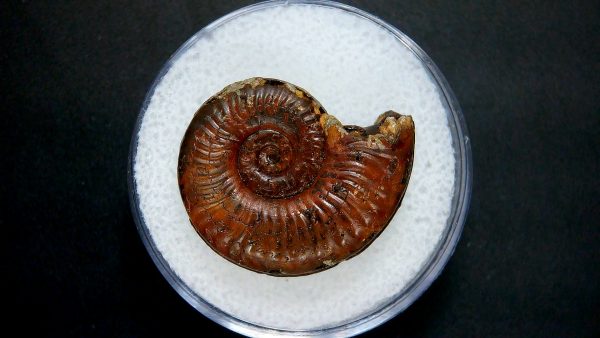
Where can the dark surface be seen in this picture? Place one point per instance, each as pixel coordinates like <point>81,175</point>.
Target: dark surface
<point>526,73</point>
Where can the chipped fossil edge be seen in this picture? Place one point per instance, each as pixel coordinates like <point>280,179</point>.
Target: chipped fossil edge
<point>389,129</point>
<point>237,86</point>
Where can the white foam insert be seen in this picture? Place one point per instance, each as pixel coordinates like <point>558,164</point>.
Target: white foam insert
<point>357,70</point>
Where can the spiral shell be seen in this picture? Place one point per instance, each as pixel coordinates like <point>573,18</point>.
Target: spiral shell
<point>276,185</point>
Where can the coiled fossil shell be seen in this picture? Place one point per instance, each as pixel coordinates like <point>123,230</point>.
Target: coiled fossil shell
<point>276,185</point>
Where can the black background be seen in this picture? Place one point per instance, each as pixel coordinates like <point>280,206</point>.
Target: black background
<point>74,75</point>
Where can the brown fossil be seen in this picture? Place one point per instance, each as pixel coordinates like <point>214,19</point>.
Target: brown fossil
<point>276,185</point>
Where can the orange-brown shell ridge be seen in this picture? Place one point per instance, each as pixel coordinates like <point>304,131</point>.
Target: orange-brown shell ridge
<point>276,185</point>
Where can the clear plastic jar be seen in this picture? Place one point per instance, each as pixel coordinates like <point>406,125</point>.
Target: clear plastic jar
<point>421,280</point>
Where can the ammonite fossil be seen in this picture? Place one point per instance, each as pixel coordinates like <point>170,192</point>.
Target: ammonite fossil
<point>276,185</point>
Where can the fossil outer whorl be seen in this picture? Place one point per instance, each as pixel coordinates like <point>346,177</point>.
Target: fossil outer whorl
<point>274,184</point>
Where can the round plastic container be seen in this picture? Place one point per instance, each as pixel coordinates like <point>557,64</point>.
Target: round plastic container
<point>428,272</point>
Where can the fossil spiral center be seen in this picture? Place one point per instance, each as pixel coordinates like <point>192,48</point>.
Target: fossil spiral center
<point>269,159</point>
<point>269,165</point>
